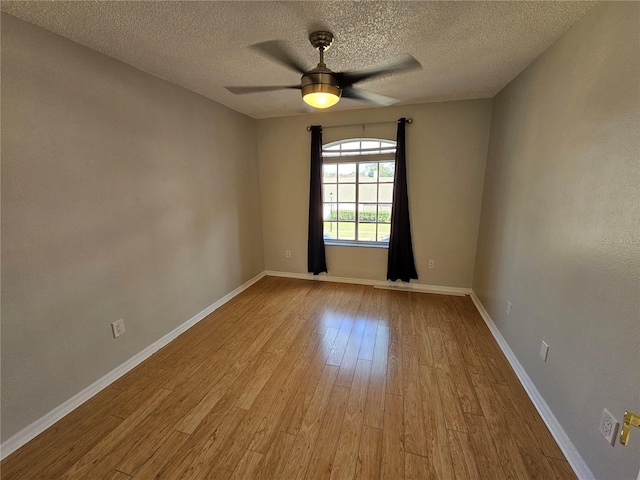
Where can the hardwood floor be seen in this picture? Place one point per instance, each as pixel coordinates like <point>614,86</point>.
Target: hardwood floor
<point>295,379</point>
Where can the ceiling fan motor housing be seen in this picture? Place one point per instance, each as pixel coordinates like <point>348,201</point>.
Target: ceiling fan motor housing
<point>319,81</point>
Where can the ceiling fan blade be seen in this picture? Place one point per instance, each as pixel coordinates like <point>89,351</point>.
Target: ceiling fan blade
<point>276,51</point>
<point>359,94</point>
<point>404,64</point>
<point>243,90</point>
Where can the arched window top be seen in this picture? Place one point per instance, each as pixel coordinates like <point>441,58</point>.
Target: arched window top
<point>361,147</point>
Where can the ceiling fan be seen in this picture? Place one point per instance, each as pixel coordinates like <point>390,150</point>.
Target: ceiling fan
<point>321,87</point>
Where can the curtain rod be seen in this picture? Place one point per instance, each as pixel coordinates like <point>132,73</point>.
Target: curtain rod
<point>409,120</point>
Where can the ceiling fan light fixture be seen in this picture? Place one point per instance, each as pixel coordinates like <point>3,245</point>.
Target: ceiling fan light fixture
<point>320,90</point>
<point>321,99</point>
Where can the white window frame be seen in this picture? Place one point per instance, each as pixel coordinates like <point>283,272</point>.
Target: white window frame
<point>334,153</point>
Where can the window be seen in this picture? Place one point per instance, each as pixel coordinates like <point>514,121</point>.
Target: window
<point>357,190</point>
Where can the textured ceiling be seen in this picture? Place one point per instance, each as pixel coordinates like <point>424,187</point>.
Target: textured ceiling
<point>467,49</point>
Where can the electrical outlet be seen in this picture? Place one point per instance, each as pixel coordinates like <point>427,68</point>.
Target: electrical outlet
<point>287,253</point>
<point>432,263</point>
<point>544,350</point>
<point>118,328</point>
<point>609,427</point>
<point>509,305</point>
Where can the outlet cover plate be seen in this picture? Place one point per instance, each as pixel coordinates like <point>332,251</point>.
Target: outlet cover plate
<point>118,328</point>
<point>609,427</point>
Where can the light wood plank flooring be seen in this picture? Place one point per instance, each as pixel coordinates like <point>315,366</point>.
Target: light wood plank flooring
<point>295,379</point>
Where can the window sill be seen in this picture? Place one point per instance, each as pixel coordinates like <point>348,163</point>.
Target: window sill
<point>355,244</point>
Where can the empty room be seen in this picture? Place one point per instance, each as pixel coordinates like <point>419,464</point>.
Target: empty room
<point>320,240</point>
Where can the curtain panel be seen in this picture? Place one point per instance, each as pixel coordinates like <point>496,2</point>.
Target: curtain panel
<point>400,263</point>
<point>316,261</point>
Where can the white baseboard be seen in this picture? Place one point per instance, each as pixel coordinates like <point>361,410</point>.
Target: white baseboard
<point>40,425</point>
<point>403,286</point>
<point>574,458</point>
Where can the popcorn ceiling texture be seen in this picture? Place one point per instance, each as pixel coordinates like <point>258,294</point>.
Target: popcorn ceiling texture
<point>467,49</point>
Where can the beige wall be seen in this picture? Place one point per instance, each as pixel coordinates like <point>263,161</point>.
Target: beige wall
<point>123,196</point>
<point>562,178</point>
<point>446,152</point>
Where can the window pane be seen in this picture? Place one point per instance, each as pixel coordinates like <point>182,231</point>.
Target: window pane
<point>329,193</point>
<point>346,231</point>
<point>384,230</point>
<point>368,193</point>
<point>329,173</point>
<point>347,212</point>
<point>330,230</point>
<point>370,144</point>
<point>347,193</point>
<point>347,172</point>
<point>330,211</point>
<point>335,147</point>
<point>384,213</point>
<point>367,212</point>
<point>368,172</point>
<point>350,146</point>
<point>386,192</point>
<point>386,171</point>
<point>367,232</point>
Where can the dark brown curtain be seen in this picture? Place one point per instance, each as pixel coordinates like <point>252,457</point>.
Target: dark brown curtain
<point>400,264</point>
<point>316,261</point>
